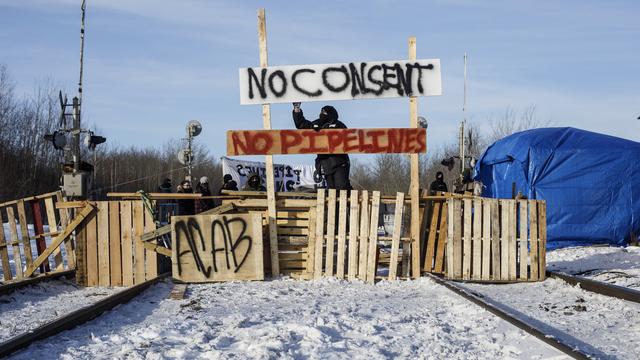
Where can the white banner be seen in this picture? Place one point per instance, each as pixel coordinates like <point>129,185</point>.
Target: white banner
<point>297,178</point>
<point>348,81</point>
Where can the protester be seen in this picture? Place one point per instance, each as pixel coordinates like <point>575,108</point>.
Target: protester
<point>254,183</point>
<point>203,188</point>
<point>438,184</point>
<point>334,167</point>
<point>228,184</point>
<point>166,186</point>
<point>185,206</point>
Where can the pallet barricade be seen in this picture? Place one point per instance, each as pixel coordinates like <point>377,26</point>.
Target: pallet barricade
<point>30,227</point>
<point>495,240</point>
<point>112,254</point>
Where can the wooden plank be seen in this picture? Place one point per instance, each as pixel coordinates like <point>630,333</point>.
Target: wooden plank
<point>425,210</point>
<point>138,247</point>
<point>289,256</point>
<point>450,253</point>
<point>513,225</point>
<point>311,246</point>
<point>80,252</point>
<point>256,222</point>
<point>13,235</point>
<point>64,221</point>
<point>478,256</point>
<point>542,234</point>
<point>364,233</point>
<point>342,233</point>
<point>4,255</point>
<point>317,271</point>
<point>151,257</point>
<point>457,239</point>
<point>533,216</point>
<point>24,231</point>
<point>92,269</point>
<point>58,239</point>
<point>53,227</point>
<point>292,231</point>
<point>522,244</point>
<point>486,239</point>
<point>429,262</point>
<point>115,250</point>
<point>104,273</point>
<point>372,265</point>
<point>442,240</point>
<point>127,243</point>
<point>414,185</point>
<point>331,231</point>
<point>466,240</point>
<point>395,238</point>
<point>354,207</point>
<point>504,240</point>
<point>328,141</point>
<point>495,240</point>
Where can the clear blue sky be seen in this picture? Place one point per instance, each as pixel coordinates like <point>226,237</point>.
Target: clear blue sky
<point>150,66</point>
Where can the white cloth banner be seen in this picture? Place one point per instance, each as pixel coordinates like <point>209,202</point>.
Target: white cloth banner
<point>287,177</point>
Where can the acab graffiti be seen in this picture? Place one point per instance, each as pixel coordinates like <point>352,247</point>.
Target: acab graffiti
<point>214,247</point>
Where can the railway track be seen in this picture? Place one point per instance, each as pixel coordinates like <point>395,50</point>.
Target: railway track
<point>598,287</point>
<point>74,318</point>
<point>11,286</point>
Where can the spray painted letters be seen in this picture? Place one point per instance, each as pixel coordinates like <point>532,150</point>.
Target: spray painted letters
<point>323,82</point>
<point>326,141</point>
<point>217,247</point>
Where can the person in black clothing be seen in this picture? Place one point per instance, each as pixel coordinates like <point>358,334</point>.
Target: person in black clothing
<point>166,186</point>
<point>254,183</point>
<point>438,184</point>
<point>228,184</point>
<point>186,206</point>
<point>335,167</point>
<point>203,188</point>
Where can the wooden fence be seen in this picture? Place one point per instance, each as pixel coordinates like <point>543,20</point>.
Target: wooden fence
<point>26,246</point>
<point>495,240</point>
<point>112,254</point>
<point>434,235</point>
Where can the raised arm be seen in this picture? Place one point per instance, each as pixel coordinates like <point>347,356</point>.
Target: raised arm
<point>298,118</point>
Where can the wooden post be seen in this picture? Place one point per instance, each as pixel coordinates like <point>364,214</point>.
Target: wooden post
<point>415,180</point>
<point>266,122</point>
<point>39,230</point>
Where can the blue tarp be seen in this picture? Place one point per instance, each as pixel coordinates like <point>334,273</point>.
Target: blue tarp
<point>590,181</point>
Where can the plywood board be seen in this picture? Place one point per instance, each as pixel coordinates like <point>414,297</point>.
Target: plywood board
<point>126,228</point>
<point>342,234</point>
<point>138,248</point>
<point>104,275</point>
<point>91,236</point>
<point>341,81</point>
<point>331,231</point>
<point>395,238</point>
<point>354,207</point>
<point>326,141</point>
<point>210,248</point>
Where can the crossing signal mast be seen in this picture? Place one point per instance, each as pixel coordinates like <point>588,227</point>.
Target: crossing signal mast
<point>75,172</point>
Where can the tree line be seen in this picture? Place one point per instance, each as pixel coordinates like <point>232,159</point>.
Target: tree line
<point>30,165</point>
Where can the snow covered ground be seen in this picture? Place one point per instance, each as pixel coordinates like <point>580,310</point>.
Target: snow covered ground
<point>291,319</point>
<point>615,265</point>
<point>37,304</point>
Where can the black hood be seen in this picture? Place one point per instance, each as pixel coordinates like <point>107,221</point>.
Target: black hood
<point>332,114</point>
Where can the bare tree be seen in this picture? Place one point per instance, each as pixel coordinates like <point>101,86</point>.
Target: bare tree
<point>512,122</point>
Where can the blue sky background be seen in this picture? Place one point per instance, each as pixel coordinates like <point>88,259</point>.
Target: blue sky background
<point>150,66</point>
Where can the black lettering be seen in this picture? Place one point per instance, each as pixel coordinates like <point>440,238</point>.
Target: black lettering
<point>294,82</point>
<point>375,81</point>
<point>330,87</point>
<point>259,83</point>
<point>386,75</point>
<point>358,79</point>
<point>283,89</point>
<point>420,68</point>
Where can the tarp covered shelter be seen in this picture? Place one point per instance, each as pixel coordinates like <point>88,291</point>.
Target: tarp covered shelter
<point>590,181</point>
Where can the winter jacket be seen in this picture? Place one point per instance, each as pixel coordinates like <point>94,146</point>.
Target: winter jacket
<point>328,162</point>
<point>259,187</point>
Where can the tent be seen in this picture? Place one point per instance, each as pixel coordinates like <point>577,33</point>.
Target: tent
<point>590,182</point>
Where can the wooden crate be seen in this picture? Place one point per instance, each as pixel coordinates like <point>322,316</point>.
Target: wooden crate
<point>495,240</point>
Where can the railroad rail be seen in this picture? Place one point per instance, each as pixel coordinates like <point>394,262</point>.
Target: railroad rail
<point>75,318</point>
<point>12,286</point>
<point>598,287</point>
<point>526,326</point>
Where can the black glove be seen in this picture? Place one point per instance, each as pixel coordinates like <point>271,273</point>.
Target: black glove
<point>296,106</point>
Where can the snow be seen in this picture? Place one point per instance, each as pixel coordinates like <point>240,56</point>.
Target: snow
<point>615,265</point>
<point>35,305</point>
<point>290,319</point>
